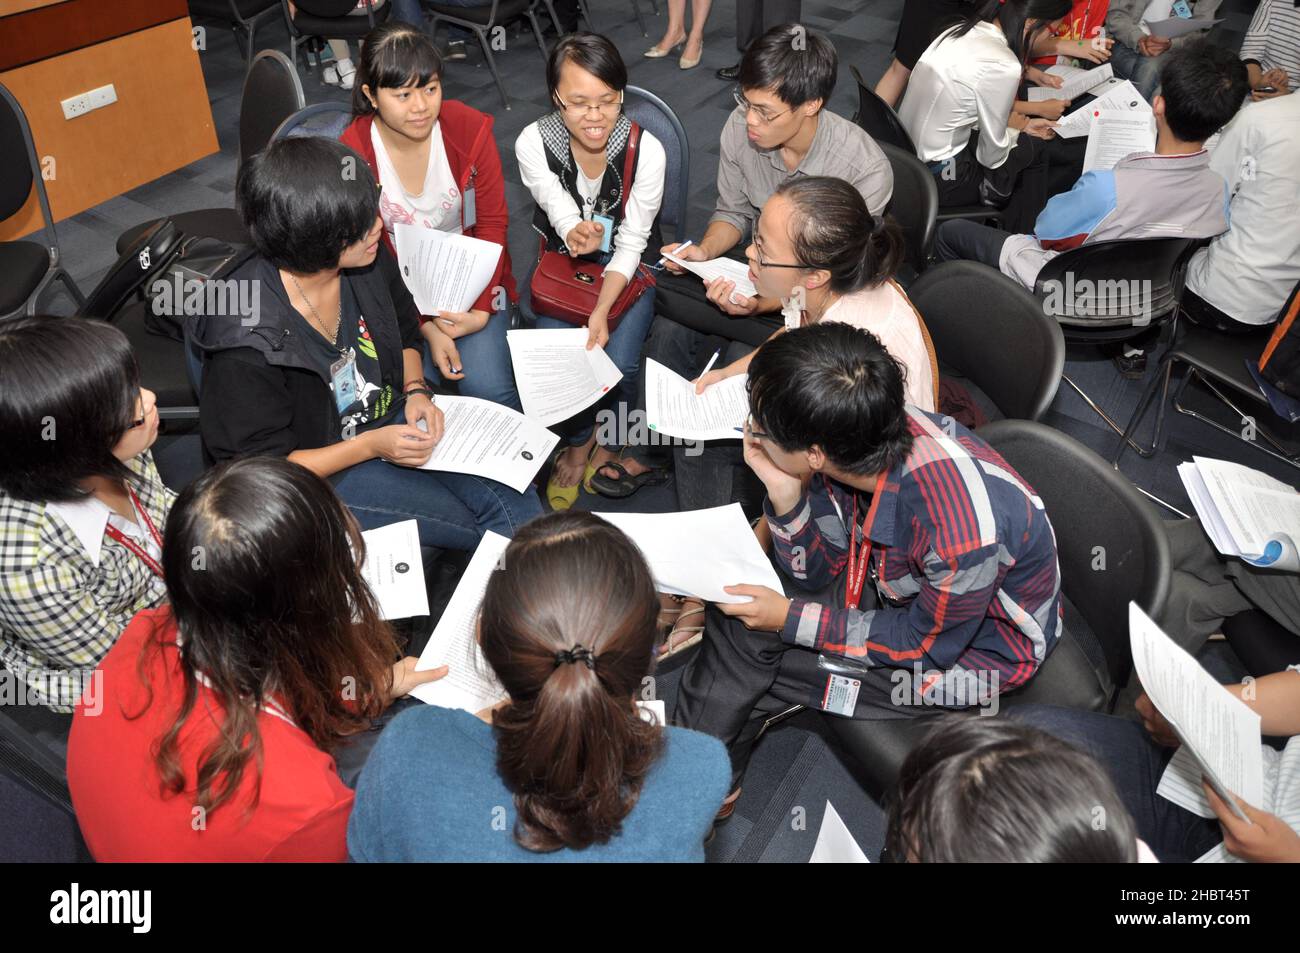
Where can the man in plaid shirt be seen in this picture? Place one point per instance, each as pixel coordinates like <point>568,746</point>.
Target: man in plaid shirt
<point>964,597</point>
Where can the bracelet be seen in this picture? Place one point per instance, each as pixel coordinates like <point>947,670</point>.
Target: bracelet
<point>419,382</point>
<point>420,390</point>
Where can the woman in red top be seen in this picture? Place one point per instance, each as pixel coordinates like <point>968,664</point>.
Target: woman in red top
<point>220,710</point>
<point>437,165</point>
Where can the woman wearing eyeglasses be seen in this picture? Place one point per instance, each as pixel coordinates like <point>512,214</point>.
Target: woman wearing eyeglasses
<point>82,506</point>
<point>573,163</point>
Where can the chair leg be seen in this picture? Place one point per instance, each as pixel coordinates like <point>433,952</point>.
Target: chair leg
<point>1101,413</point>
<point>1279,454</point>
<point>492,65</point>
<point>1160,383</point>
<point>537,31</point>
<point>640,20</point>
<point>71,285</point>
<point>555,20</point>
<point>585,9</point>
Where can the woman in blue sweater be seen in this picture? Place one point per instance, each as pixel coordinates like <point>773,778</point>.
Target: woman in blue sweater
<point>567,768</point>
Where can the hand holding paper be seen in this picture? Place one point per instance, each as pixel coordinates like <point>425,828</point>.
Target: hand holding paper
<point>729,268</point>
<point>444,271</point>
<point>488,440</point>
<point>674,408</point>
<point>555,373</point>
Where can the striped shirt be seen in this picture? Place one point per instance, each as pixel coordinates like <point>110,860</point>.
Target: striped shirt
<point>1273,38</point>
<point>1181,783</point>
<point>963,556</point>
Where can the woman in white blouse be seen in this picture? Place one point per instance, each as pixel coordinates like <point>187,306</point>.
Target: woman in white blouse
<point>572,162</point>
<point>958,110</point>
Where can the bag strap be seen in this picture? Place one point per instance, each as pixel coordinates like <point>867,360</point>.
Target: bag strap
<point>629,167</point>
<point>1291,311</point>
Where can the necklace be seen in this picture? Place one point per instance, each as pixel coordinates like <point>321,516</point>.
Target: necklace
<point>316,317</point>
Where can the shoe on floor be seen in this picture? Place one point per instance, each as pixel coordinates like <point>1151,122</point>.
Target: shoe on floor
<point>1133,366</point>
<point>456,50</point>
<point>342,74</point>
<point>729,73</point>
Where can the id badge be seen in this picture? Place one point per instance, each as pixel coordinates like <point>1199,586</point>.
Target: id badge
<point>1182,9</point>
<point>468,211</point>
<point>841,695</point>
<point>343,380</point>
<point>608,224</point>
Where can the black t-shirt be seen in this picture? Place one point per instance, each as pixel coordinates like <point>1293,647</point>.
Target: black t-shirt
<point>376,401</point>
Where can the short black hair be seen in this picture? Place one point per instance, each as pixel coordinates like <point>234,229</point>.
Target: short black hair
<point>1203,85</point>
<point>69,395</point>
<point>393,55</point>
<point>989,789</point>
<point>834,386</point>
<point>796,63</point>
<point>305,200</point>
<point>593,53</point>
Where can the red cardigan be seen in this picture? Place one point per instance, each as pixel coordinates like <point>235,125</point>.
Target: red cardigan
<point>473,157</point>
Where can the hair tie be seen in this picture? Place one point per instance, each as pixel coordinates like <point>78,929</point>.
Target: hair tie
<point>576,654</point>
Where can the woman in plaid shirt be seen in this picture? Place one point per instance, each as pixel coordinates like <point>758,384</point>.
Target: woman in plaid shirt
<point>82,507</point>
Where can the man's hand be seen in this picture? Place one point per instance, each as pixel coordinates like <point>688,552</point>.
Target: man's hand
<point>783,489</point>
<point>405,677</point>
<point>1153,45</point>
<point>1041,128</point>
<point>1278,79</point>
<point>419,407</point>
<point>766,613</point>
<point>403,444</point>
<point>720,292</point>
<point>1267,839</point>
<point>585,238</point>
<point>689,253</point>
<point>597,330</point>
<point>1154,722</point>
<point>446,357</point>
<point>457,324</point>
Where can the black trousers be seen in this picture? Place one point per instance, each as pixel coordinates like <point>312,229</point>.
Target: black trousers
<point>683,299</point>
<point>756,17</point>
<point>1021,183</point>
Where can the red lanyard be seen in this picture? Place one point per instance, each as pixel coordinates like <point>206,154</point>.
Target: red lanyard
<point>859,559</point>
<point>131,544</point>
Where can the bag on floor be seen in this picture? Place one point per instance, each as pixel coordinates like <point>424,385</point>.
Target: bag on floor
<point>1279,365</point>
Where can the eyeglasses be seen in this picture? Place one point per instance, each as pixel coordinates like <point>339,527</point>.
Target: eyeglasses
<point>749,427</point>
<point>760,111</point>
<point>578,110</point>
<point>758,254</point>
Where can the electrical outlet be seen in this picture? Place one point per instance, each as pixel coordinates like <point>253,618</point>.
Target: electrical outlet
<point>76,106</point>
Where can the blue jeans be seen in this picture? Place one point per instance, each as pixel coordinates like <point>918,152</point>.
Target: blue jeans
<point>1130,64</point>
<point>1135,764</point>
<point>960,239</point>
<point>453,509</point>
<point>623,348</point>
<point>485,360</point>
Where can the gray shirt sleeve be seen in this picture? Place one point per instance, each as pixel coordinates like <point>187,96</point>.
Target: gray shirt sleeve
<point>733,206</point>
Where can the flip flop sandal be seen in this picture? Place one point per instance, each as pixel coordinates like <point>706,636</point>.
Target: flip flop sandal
<point>626,483</point>
<point>682,637</point>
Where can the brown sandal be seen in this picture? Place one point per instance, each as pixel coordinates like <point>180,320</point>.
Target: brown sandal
<point>682,637</point>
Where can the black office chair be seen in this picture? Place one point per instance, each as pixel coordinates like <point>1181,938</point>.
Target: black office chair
<point>1218,361</point>
<point>38,824</point>
<point>914,204</point>
<point>271,92</point>
<point>990,331</point>
<point>657,118</point>
<point>243,17</point>
<point>1112,549</point>
<point>483,19</point>
<point>1110,292</point>
<point>26,268</point>
<point>330,20</point>
<point>326,120</point>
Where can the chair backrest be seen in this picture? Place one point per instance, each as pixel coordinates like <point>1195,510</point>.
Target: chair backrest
<point>989,329</point>
<point>320,119</point>
<point>1120,284</point>
<point>878,119</point>
<point>38,823</point>
<point>272,93</point>
<point>148,256</point>
<point>1110,541</point>
<point>656,117</point>
<point>19,167</point>
<point>326,8</point>
<point>914,203</point>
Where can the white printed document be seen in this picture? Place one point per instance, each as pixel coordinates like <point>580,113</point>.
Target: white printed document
<point>1077,82</point>
<point>672,407</point>
<point>444,271</point>
<point>1122,97</point>
<point>728,268</point>
<point>697,552</point>
<point>469,683</point>
<point>1116,133</point>
<point>1246,513</point>
<point>555,373</point>
<point>1178,26</point>
<point>835,844</point>
<point>394,570</point>
<point>1219,730</point>
<point>488,440</point>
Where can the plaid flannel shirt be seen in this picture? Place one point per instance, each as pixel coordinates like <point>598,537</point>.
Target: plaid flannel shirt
<point>963,557</point>
<point>59,611</point>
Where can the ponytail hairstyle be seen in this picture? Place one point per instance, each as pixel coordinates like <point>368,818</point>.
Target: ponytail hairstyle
<point>394,55</point>
<point>568,627</point>
<point>1013,16</point>
<point>831,229</point>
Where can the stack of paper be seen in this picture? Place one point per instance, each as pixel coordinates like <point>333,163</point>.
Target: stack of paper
<point>1220,733</point>
<point>1117,133</point>
<point>672,407</point>
<point>555,373</point>
<point>698,552</point>
<point>728,268</point>
<point>489,440</point>
<point>1245,513</point>
<point>394,570</point>
<point>1121,97</point>
<point>444,271</point>
<point>1077,82</point>
<point>1178,26</point>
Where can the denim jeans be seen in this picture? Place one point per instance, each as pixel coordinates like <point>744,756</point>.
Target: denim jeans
<point>1130,64</point>
<point>623,348</point>
<point>960,239</point>
<point>485,360</point>
<point>452,509</point>
<point>1135,764</point>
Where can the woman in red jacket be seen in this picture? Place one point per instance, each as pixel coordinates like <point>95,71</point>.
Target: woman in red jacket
<point>437,164</point>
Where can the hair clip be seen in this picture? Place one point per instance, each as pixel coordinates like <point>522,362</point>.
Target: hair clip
<point>576,654</point>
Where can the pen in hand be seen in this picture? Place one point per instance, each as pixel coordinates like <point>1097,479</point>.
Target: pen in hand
<point>662,261</point>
